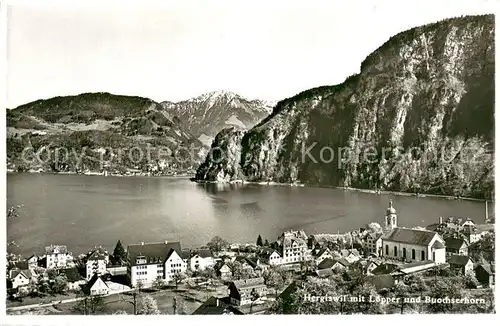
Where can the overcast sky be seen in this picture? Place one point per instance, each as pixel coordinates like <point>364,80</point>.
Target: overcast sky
<point>178,51</point>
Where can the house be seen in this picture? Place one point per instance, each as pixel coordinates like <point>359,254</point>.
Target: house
<point>461,263</point>
<point>485,274</point>
<point>20,278</point>
<point>150,261</point>
<point>223,270</point>
<point>97,260</point>
<point>374,243</point>
<point>201,259</point>
<point>75,280</point>
<point>370,266</point>
<point>293,247</point>
<point>272,257</point>
<point>33,261</point>
<point>97,286</point>
<point>351,255</point>
<point>333,264</point>
<point>243,292</point>
<point>472,234</point>
<point>246,265</point>
<point>456,246</point>
<point>57,256</point>
<point>217,306</point>
<point>322,254</point>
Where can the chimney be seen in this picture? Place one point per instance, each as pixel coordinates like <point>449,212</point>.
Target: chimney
<point>440,220</point>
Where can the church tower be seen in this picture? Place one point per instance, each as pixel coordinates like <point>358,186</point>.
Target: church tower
<point>391,218</point>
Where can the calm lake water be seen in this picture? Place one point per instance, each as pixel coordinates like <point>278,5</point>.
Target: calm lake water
<point>82,211</point>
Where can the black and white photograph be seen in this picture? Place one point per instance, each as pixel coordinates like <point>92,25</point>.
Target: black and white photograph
<point>249,158</point>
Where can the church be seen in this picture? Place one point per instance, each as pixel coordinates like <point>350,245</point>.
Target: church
<point>410,244</point>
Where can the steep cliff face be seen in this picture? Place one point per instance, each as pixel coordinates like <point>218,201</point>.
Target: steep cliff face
<point>418,117</point>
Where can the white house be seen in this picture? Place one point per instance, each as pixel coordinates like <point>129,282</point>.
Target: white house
<point>33,261</point>
<point>374,243</point>
<point>97,260</point>
<point>150,261</point>
<point>293,247</point>
<point>58,257</point>
<point>201,259</point>
<point>322,254</point>
<point>20,278</point>
<point>97,286</point>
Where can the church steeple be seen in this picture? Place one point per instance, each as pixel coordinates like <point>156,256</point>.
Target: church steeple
<point>391,218</point>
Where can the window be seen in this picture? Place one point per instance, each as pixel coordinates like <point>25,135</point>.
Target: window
<point>423,255</point>
<point>433,256</point>
<point>404,252</point>
<point>386,249</point>
<point>395,251</point>
<point>413,254</point>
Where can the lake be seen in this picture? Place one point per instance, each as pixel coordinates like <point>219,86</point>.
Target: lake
<point>81,211</point>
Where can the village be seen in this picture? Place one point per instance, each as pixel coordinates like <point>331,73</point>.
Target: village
<point>448,265</point>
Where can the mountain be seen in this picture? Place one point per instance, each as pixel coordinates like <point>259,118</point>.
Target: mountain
<point>108,132</point>
<point>209,113</point>
<point>418,118</point>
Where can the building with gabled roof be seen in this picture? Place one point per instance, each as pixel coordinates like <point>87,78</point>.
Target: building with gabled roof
<point>293,247</point>
<point>456,246</point>
<point>97,286</point>
<point>201,259</point>
<point>243,292</point>
<point>461,263</point>
<point>217,306</point>
<point>96,261</point>
<point>58,256</point>
<point>150,261</point>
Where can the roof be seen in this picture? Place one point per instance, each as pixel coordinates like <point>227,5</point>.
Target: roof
<point>249,283</point>
<point>458,259</point>
<point>324,272</point>
<point>153,252</point>
<point>326,263</point>
<point>321,252</point>
<point>437,245</point>
<point>21,264</point>
<point>410,236</point>
<point>56,249</point>
<point>25,272</point>
<point>94,279</point>
<point>72,274</point>
<point>347,252</point>
<point>185,253</point>
<point>216,306</point>
<point>454,243</point>
<point>385,269</point>
<point>490,269</point>
<point>97,253</point>
<point>203,253</point>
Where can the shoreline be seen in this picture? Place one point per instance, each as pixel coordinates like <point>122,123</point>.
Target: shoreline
<point>368,191</point>
<point>264,183</point>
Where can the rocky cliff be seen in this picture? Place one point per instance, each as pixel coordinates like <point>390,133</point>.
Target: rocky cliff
<point>418,117</point>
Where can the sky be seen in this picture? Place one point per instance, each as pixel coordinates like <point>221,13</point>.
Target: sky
<point>177,50</point>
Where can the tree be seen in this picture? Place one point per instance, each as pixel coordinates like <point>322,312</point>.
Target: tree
<point>217,244</point>
<point>259,241</point>
<point>59,284</point>
<point>147,306</point>
<point>13,211</point>
<point>266,243</point>
<point>470,281</point>
<point>443,288</point>
<point>274,279</point>
<point>158,283</point>
<point>119,253</point>
<point>90,305</point>
<point>417,284</point>
<point>178,278</point>
<point>401,291</point>
<point>374,228</point>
